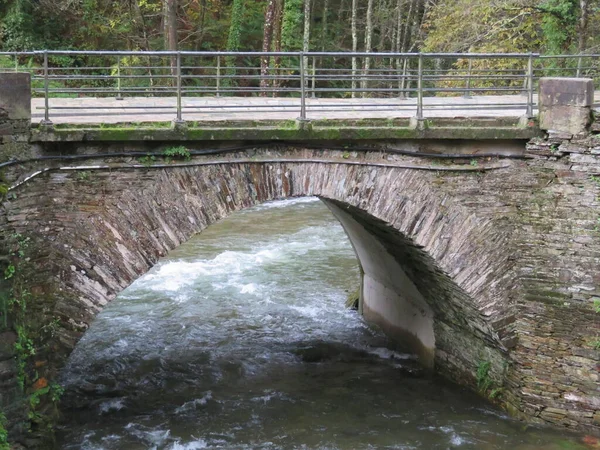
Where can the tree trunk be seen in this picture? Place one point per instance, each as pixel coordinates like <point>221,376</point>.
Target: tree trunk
<point>277,40</point>
<point>584,7</point>
<point>354,45</point>
<point>266,47</point>
<point>171,30</point>
<point>368,45</point>
<point>406,28</point>
<point>306,37</point>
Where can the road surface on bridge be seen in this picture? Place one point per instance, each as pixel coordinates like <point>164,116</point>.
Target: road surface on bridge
<point>163,109</point>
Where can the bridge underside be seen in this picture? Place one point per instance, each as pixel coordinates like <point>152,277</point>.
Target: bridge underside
<point>462,261</point>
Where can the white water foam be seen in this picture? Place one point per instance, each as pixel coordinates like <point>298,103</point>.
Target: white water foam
<point>192,405</point>
<point>116,404</point>
<point>286,203</point>
<point>311,311</point>
<point>195,445</point>
<point>156,437</point>
<point>176,275</point>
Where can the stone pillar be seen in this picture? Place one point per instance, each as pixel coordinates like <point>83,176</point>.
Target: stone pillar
<point>566,104</point>
<point>15,115</point>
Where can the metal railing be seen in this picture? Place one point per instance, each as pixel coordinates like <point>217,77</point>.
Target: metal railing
<point>187,85</point>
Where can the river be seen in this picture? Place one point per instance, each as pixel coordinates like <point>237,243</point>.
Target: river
<point>240,339</point>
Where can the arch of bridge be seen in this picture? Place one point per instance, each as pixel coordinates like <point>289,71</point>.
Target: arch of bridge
<point>436,276</point>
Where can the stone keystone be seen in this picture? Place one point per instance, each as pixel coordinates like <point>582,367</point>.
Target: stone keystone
<point>566,104</point>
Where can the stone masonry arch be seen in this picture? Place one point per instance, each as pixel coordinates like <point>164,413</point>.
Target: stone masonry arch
<point>438,244</point>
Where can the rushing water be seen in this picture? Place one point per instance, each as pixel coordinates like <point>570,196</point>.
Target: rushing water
<point>240,340</point>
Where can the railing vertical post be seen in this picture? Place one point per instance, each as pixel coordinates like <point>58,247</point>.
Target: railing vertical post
<point>468,90</point>
<point>302,87</point>
<point>218,76</point>
<point>119,96</point>
<point>579,66</point>
<point>46,120</point>
<point>179,113</point>
<point>530,87</point>
<point>420,89</point>
<point>314,80</point>
<point>16,62</point>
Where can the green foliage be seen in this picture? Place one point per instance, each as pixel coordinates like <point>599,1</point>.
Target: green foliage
<point>24,349</point>
<point>235,28</point>
<point>179,152</point>
<point>596,303</point>
<point>35,397</point>
<point>18,29</point>
<point>51,327</point>
<point>234,40</point>
<point>83,175</point>
<point>56,392</point>
<point>559,24</point>
<point>3,191</point>
<point>147,160</point>
<point>292,25</point>
<point>9,272</point>
<point>484,382</point>
<point>495,393</point>
<point>3,433</point>
<point>23,244</point>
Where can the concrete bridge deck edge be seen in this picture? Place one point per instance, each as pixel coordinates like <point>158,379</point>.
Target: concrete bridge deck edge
<point>484,128</point>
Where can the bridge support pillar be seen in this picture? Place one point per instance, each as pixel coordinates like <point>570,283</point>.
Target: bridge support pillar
<point>566,104</point>
<point>15,114</point>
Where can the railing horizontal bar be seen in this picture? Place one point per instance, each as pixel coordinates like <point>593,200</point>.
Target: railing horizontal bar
<point>293,106</point>
<point>283,54</point>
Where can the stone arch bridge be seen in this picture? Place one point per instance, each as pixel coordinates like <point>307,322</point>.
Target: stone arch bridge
<point>481,256</point>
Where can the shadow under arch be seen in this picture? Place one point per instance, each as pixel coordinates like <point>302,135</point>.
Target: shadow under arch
<point>434,273</point>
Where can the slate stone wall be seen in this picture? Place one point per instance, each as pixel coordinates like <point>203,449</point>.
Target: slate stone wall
<point>506,251</point>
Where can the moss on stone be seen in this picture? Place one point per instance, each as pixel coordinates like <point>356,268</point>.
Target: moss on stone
<point>324,129</point>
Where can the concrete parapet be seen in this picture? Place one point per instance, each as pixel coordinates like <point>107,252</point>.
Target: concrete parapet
<point>15,115</point>
<point>15,96</point>
<point>566,104</point>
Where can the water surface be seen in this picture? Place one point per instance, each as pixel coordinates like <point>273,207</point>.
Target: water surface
<point>240,340</point>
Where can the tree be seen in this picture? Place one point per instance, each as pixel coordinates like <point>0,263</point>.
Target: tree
<point>584,11</point>
<point>368,45</point>
<point>234,39</point>
<point>171,39</point>
<point>267,44</point>
<point>291,26</point>
<point>306,34</point>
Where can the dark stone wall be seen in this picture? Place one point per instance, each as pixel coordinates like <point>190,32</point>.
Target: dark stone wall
<point>505,251</point>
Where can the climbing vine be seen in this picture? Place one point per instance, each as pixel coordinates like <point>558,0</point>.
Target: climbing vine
<point>31,329</point>
<point>234,38</point>
<point>291,26</point>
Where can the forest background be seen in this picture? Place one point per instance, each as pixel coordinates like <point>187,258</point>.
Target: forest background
<point>544,26</point>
